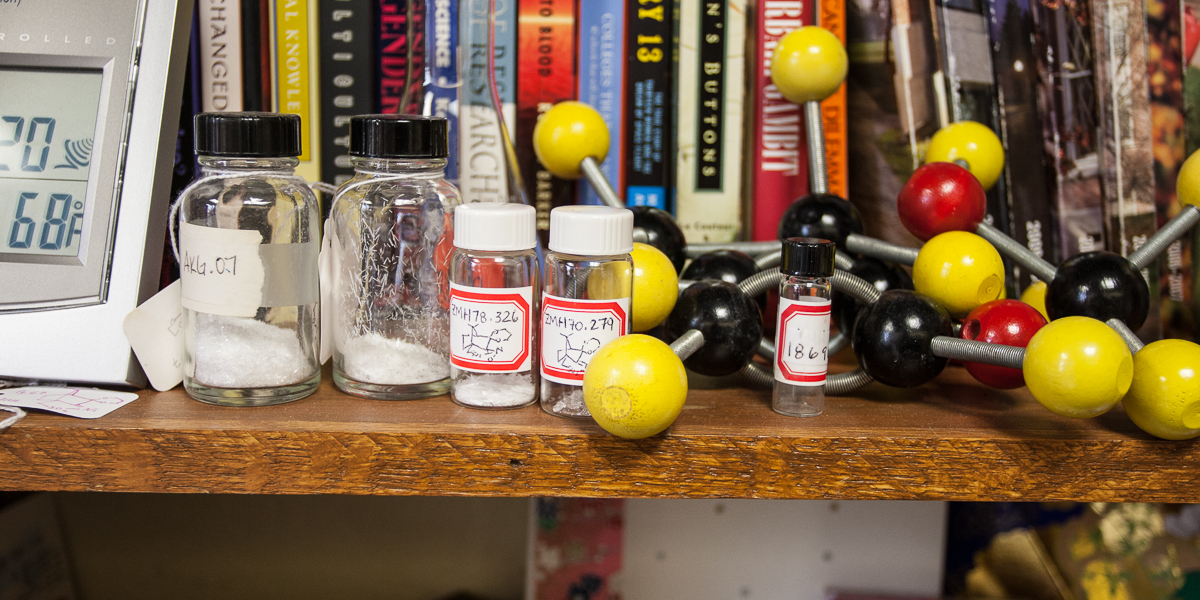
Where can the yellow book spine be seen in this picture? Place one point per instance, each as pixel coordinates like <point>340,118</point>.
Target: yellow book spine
<point>295,59</point>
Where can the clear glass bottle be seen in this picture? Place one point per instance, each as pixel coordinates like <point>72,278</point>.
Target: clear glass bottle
<point>802,327</point>
<point>493,306</point>
<point>248,231</point>
<point>393,234</point>
<point>586,298</point>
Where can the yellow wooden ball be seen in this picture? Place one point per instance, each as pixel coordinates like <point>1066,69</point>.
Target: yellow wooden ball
<point>1077,367</point>
<point>959,270</point>
<point>568,133</point>
<point>635,386</point>
<point>1035,296</point>
<point>809,64</point>
<point>973,143</point>
<point>655,287</point>
<point>1164,399</point>
<point>1187,185</point>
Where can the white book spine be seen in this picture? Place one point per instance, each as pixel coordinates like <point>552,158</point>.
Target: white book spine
<point>220,55</point>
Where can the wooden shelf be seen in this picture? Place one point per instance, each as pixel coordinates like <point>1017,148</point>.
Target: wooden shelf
<point>949,440</point>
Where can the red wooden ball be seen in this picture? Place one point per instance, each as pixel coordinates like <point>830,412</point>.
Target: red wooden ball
<point>1008,322</point>
<point>941,197</point>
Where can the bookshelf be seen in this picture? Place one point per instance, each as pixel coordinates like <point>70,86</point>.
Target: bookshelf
<point>948,440</point>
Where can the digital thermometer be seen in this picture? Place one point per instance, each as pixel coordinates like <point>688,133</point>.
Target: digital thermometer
<point>89,110</point>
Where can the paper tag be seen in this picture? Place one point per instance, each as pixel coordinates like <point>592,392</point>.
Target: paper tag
<point>155,331</point>
<point>573,330</point>
<point>489,328</point>
<point>802,341</point>
<point>221,271</point>
<point>329,279</point>
<point>73,402</point>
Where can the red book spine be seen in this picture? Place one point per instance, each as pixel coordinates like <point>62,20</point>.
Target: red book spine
<point>401,60</point>
<point>780,156</point>
<point>545,75</point>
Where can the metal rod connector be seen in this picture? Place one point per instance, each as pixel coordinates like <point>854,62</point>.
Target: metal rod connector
<point>1127,335</point>
<point>688,343</point>
<point>818,175</point>
<point>604,189</point>
<point>751,248</point>
<point>861,244</point>
<point>1165,236</point>
<point>1000,355</point>
<point>1019,254</point>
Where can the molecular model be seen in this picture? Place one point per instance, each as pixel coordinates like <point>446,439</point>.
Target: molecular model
<point>1069,339</point>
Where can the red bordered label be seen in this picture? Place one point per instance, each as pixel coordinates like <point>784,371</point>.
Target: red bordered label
<point>490,328</point>
<point>573,330</point>
<point>802,341</point>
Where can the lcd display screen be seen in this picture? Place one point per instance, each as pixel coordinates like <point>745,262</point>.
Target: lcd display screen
<point>47,125</point>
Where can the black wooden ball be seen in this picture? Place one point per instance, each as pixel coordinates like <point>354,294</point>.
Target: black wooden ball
<point>661,232</point>
<point>722,265</point>
<point>826,216</point>
<point>1100,285</point>
<point>883,275</point>
<point>892,338</point>
<point>728,318</point>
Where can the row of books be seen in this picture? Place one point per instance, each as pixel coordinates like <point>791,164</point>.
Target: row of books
<point>1095,100</point>
<point>696,126</point>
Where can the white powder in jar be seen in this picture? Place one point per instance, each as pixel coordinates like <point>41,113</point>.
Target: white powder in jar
<point>241,352</point>
<point>372,358</point>
<point>494,390</point>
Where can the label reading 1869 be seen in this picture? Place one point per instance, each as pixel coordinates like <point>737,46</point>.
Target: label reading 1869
<point>802,341</point>
<point>573,330</point>
<point>489,328</point>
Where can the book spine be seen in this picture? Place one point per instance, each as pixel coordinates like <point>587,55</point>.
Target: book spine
<point>779,172</point>
<point>1163,30</point>
<point>441,82</point>
<point>220,55</point>
<point>1066,85</point>
<point>545,75</point>
<point>483,168</point>
<point>1126,161</point>
<point>647,137</point>
<point>601,83</point>
<point>252,65</point>
<point>832,17</point>
<point>296,61</point>
<point>347,80</point>
<point>1012,32</point>
<point>966,59</point>
<point>711,78</point>
<point>400,61</point>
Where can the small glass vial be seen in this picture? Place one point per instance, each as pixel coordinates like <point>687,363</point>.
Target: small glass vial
<point>802,327</point>
<point>586,299</point>
<point>248,231</point>
<point>392,236</point>
<point>493,309</point>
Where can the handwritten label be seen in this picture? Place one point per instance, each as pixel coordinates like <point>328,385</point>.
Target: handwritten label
<point>802,341</point>
<point>490,328</point>
<point>220,270</point>
<point>73,402</point>
<point>573,330</point>
<point>155,331</point>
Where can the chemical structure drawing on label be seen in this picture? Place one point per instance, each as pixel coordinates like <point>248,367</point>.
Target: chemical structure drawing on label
<point>485,346</point>
<point>576,358</point>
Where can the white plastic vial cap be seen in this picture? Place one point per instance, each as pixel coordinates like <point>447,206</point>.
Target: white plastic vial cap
<point>591,230</point>
<point>495,226</point>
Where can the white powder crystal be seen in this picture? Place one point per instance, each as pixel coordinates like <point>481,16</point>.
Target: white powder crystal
<point>239,352</point>
<point>571,403</point>
<point>372,358</point>
<point>494,390</point>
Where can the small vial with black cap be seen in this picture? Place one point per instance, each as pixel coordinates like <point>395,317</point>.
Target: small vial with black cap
<point>391,237</point>
<point>248,236</point>
<point>802,327</point>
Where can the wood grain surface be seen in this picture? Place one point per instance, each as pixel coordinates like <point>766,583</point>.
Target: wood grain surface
<point>949,440</point>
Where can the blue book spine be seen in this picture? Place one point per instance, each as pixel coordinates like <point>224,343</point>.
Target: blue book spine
<point>602,83</point>
<point>441,81</point>
<point>483,166</point>
<point>506,60</point>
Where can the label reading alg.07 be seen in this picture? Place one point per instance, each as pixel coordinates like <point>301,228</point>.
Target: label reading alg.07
<point>802,341</point>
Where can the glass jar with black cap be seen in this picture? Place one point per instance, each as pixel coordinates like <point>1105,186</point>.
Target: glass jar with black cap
<point>392,235</point>
<point>248,235</point>
<point>802,327</point>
